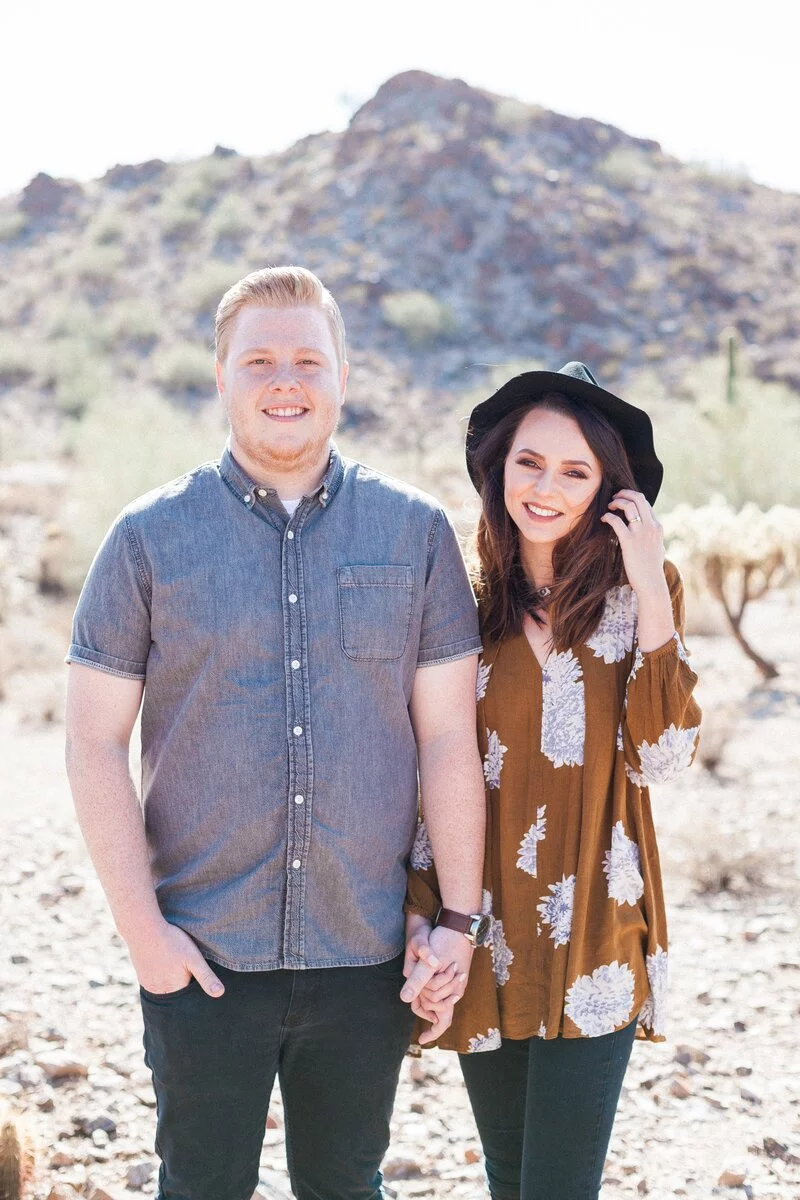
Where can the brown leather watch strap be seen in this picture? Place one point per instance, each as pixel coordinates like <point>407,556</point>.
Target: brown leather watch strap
<point>461,922</point>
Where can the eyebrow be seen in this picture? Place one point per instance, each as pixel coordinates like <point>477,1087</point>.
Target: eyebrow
<point>571,462</point>
<point>264,350</point>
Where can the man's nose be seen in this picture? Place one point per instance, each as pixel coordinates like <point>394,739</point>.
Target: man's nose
<point>283,379</point>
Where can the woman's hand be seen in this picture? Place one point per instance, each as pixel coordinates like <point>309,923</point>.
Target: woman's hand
<point>641,541</point>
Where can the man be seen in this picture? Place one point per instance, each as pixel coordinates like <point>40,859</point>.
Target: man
<point>303,634</point>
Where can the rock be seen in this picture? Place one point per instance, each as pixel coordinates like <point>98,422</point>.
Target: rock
<point>18,959</point>
<point>472,1156</point>
<point>95,1191</point>
<point>139,1174</point>
<point>58,1064</point>
<point>681,1087</point>
<point>100,1138</point>
<point>731,1179</point>
<point>749,1096</point>
<point>71,885</point>
<point>45,196</point>
<point>402,1168</point>
<point>61,1159</point>
<point>272,1122</point>
<point>101,1123</point>
<point>775,1149</point>
<point>59,1193</point>
<point>13,1037</point>
<point>642,1187</point>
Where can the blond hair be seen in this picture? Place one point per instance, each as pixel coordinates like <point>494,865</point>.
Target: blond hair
<point>278,287</point>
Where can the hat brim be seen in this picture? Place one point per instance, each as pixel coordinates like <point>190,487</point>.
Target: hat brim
<point>632,423</point>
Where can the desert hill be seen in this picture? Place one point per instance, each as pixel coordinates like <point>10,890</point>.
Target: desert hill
<point>456,227</point>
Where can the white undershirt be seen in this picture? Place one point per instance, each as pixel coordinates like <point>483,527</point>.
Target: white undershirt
<point>291,505</point>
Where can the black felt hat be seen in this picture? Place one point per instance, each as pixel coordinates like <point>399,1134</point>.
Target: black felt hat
<point>574,380</point>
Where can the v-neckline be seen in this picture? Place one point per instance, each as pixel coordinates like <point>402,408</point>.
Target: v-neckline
<point>541,665</point>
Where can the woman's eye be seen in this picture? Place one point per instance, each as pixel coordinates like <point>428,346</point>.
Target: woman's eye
<point>576,475</point>
<point>528,462</point>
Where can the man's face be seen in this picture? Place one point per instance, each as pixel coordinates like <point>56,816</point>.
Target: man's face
<point>282,388</point>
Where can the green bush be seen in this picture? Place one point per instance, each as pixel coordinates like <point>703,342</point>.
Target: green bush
<point>12,224</point>
<point>232,218</point>
<point>135,323</point>
<point>420,316</point>
<point>94,264</point>
<point>16,361</point>
<point>121,449</point>
<point>626,167</point>
<point>185,369</point>
<point>202,290</point>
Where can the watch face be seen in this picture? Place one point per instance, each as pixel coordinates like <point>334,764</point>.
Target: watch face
<point>480,930</point>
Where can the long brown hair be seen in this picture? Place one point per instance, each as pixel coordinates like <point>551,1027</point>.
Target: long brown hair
<point>586,562</point>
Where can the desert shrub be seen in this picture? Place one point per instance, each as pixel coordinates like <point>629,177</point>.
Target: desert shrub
<point>739,556</point>
<point>185,369</point>
<point>136,323</point>
<point>106,229</point>
<point>420,316</point>
<point>626,167</point>
<point>16,361</point>
<point>233,218</point>
<point>75,320</point>
<point>94,264</point>
<point>12,224</point>
<point>121,450</point>
<point>77,373</point>
<point>177,220</point>
<point>514,115</point>
<point>202,290</point>
<point>714,441</point>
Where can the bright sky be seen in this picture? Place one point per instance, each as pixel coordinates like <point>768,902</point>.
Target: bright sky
<point>90,83</point>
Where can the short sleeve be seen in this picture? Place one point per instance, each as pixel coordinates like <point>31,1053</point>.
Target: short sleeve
<point>450,615</point>
<point>111,626</point>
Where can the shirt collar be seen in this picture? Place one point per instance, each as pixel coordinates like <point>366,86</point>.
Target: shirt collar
<point>249,492</point>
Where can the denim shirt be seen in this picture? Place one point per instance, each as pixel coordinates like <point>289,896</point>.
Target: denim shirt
<point>279,767</point>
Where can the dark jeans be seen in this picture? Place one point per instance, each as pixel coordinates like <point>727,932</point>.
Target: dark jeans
<point>544,1111</point>
<point>335,1038</point>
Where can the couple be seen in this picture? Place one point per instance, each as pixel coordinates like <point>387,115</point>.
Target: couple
<point>303,641</point>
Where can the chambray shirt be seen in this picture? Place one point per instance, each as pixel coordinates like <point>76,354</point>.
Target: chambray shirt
<point>279,767</point>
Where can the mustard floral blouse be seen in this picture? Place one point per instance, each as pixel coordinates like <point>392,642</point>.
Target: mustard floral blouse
<point>578,940</point>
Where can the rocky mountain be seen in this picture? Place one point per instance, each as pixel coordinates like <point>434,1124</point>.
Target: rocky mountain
<point>456,227</point>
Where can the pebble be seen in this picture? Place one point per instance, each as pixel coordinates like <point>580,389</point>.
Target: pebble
<point>139,1174</point>
<point>731,1179</point>
<point>57,1064</point>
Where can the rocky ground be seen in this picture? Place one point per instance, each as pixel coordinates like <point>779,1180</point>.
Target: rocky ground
<point>712,1112</point>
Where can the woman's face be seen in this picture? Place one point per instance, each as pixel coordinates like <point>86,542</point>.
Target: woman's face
<point>551,476</point>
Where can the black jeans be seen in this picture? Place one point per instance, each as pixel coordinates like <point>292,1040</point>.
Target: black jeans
<point>335,1038</point>
<point>545,1110</point>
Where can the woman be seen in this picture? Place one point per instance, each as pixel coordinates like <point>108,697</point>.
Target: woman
<point>584,698</point>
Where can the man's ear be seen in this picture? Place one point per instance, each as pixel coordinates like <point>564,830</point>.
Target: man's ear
<point>345,373</point>
<point>220,381</point>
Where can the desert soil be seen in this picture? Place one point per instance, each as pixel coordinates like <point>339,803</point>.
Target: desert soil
<point>714,1111</point>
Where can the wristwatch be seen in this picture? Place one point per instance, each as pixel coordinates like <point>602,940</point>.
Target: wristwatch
<point>474,926</point>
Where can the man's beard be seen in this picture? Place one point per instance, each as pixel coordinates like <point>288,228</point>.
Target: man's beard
<point>286,458</point>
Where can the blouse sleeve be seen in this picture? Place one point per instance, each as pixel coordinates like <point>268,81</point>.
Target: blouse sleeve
<point>422,887</point>
<point>661,720</point>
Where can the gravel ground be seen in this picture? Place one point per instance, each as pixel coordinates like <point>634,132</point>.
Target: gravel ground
<point>714,1111</point>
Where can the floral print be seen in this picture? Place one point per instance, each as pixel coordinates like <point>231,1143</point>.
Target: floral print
<point>599,1003</point>
<point>614,636</point>
<point>502,956</point>
<point>563,710</point>
<point>556,910</point>
<point>653,1015</point>
<point>622,866</point>
<point>493,762</point>
<point>662,760</point>
<point>482,681</point>
<point>527,853</point>
<point>421,852</point>
<point>485,1041</point>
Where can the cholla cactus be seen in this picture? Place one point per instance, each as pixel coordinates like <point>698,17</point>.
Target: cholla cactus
<point>740,556</point>
<point>16,1158</point>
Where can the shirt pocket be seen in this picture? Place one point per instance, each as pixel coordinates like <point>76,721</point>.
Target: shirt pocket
<point>375,610</point>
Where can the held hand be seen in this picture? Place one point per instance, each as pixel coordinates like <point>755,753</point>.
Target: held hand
<point>166,962</point>
<point>641,540</point>
<point>421,964</point>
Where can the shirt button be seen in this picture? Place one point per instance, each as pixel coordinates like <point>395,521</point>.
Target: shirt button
<point>298,729</point>
<point>293,599</point>
<point>248,498</point>
<point>299,799</point>
<point>295,664</point>
<point>296,864</point>
<point>290,534</point>
<point>261,492</point>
